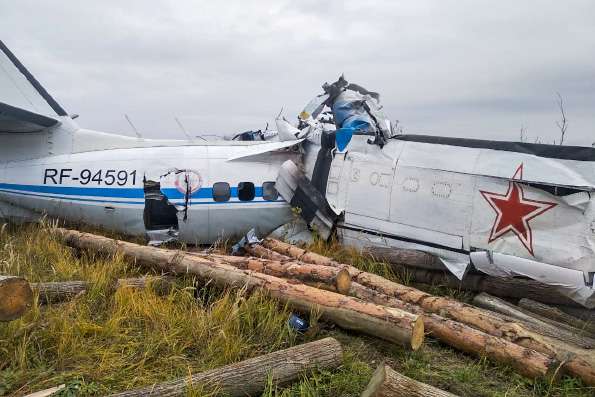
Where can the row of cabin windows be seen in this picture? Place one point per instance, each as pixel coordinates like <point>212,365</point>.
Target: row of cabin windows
<point>246,191</point>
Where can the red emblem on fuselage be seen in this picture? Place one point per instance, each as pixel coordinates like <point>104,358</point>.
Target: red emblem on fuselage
<point>514,211</point>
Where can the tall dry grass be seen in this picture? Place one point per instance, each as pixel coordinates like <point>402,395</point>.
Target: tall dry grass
<point>109,340</point>
<point>115,340</point>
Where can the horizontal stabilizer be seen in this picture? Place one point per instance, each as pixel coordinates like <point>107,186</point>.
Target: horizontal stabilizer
<point>16,120</point>
<point>25,106</point>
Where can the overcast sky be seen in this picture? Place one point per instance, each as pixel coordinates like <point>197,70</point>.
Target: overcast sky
<point>480,69</point>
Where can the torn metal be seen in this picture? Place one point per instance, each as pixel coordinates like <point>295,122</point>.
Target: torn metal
<point>162,236</point>
<point>248,239</point>
<point>508,209</point>
<point>505,208</point>
<point>161,213</point>
<point>293,185</point>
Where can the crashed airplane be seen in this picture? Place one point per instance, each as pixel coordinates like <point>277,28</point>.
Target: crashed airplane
<point>504,208</point>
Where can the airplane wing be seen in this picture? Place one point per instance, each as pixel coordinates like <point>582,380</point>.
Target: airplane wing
<point>264,147</point>
<point>25,106</point>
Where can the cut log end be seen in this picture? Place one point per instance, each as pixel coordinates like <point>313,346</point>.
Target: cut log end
<point>387,382</point>
<point>343,282</point>
<point>376,382</point>
<point>16,297</point>
<point>418,333</point>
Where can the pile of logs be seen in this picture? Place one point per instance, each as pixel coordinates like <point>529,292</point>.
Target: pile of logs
<point>278,279</point>
<point>528,337</point>
<point>464,327</point>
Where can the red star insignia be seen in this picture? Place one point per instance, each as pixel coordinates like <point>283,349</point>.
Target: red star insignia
<point>514,211</point>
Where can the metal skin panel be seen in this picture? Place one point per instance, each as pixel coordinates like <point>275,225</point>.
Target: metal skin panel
<point>488,162</point>
<point>433,199</point>
<point>338,182</point>
<point>370,186</point>
<point>120,205</point>
<point>560,236</point>
<point>438,204</point>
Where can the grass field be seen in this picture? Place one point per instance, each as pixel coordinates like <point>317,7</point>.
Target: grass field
<point>109,340</point>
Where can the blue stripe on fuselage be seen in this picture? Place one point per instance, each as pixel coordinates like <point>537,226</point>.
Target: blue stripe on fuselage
<point>71,198</point>
<point>112,192</point>
<point>66,193</point>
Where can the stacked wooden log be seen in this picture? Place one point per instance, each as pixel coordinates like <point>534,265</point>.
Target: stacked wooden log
<point>58,291</point>
<point>365,302</point>
<point>245,378</point>
<point>389,323</point>
<point>16,294</point>
<point>556,316</point>
<point>465,327</point>
<point>386,382</point>
<point>249,377</point>
<point>16,297</point>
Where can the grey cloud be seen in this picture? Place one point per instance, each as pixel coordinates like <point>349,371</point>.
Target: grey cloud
<point>466,68</point>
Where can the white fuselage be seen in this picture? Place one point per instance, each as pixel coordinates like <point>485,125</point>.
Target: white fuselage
<point>105,187</point>
<point>461,203</point>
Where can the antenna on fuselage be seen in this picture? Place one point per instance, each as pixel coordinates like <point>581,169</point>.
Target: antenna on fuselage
<point>183,129</point>
<point>186,132</point>
<point>138,135</point>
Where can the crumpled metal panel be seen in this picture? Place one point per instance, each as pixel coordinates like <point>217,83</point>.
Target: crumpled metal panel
<point>160,237</point>
<point>568,282</point>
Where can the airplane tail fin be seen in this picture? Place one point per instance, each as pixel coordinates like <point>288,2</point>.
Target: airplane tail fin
<point>27,111</point>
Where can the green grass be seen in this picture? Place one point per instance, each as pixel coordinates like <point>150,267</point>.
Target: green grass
<point>110,340</point>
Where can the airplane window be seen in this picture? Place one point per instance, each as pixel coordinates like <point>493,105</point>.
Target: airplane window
<point>221,192</point>
<point>246,191</point>
<point>269,192</point>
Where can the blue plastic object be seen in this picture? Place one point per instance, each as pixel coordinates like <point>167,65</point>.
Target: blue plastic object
<point>298,323</point>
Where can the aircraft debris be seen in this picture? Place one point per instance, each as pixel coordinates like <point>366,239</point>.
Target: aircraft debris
<point>293,185</point>
<point>249,238</point>
<point>455,198</point>
<point>507,209</point>
<point>286,131</point>
<point>297,323</point>
<point>257,135</point>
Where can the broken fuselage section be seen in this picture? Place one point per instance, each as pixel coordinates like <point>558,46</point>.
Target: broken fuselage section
<point>504,208</point>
